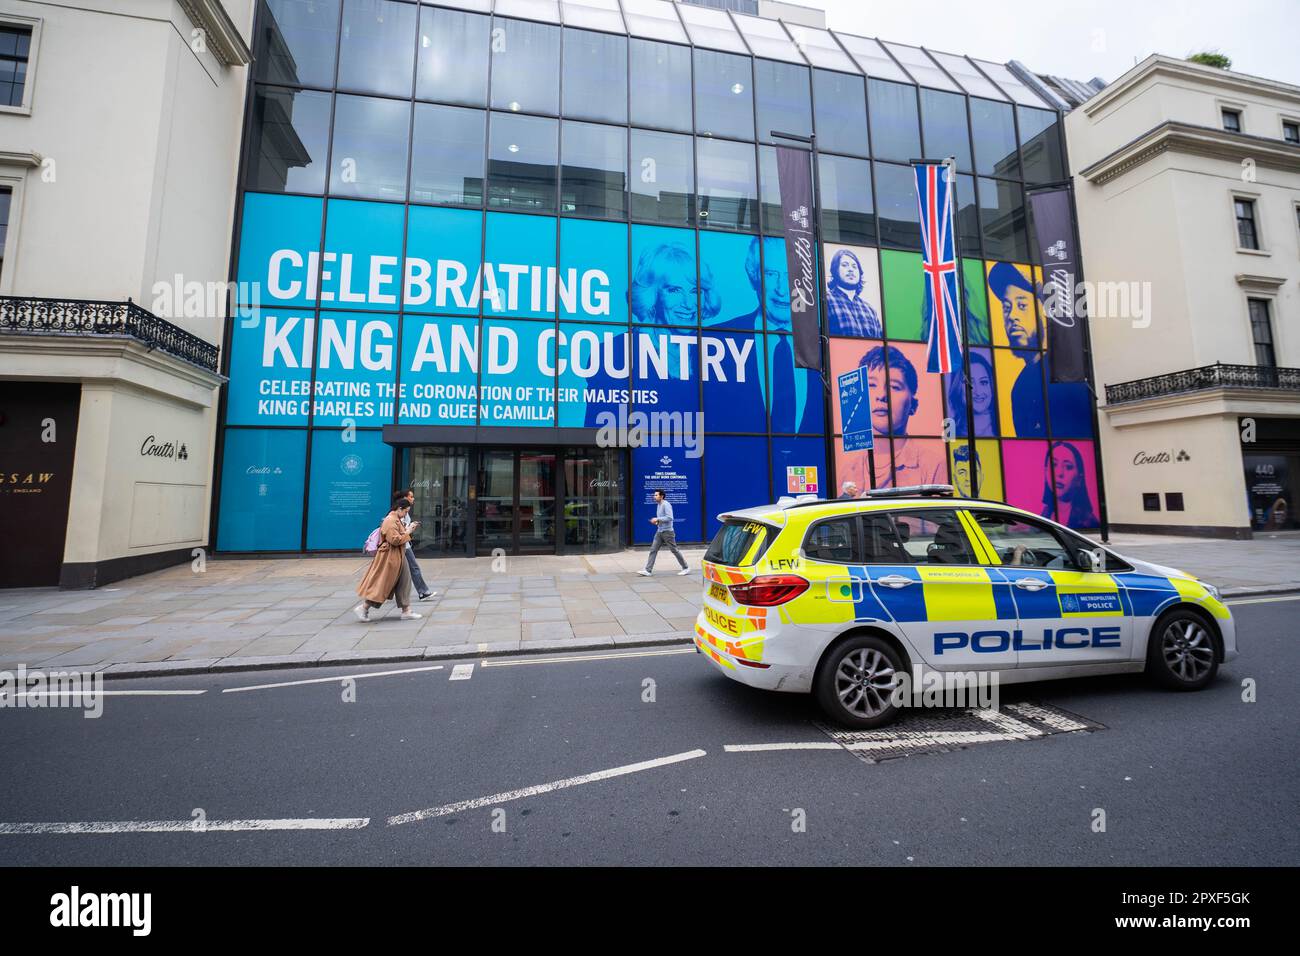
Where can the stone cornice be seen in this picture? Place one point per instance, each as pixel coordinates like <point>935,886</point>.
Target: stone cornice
<point>222,36</point>
<point>108,358</point>
<point>1173,136</point>
<point>1200,404</point>
<point>1172,68</point>
<point>1259,283</point>
<point>20,157</point>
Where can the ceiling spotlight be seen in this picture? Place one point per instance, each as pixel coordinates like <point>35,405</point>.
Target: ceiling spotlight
<point>513,148</point>
<point>514,107</point>
<point>738,89</point>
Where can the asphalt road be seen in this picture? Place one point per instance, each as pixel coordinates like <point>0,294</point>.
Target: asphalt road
<point>1198,779</point>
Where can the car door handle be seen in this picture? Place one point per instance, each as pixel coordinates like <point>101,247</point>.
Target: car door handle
<point>894,581</point>
<point>1032,584</point>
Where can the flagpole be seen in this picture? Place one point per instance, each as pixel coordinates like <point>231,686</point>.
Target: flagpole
<point>972,458</point>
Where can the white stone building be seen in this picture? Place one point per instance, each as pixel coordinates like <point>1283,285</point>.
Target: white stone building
<point>119,138</point>
<point>1187,183</point>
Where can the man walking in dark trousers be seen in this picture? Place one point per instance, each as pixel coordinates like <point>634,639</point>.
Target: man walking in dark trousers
<point>665,536</point>
<point>417,578</point>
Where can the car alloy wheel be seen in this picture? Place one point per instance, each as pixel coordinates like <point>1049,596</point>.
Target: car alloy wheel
<point>863,682</point>
<point>1187,649</point>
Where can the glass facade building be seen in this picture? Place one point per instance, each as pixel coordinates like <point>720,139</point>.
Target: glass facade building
<point>476,241</point>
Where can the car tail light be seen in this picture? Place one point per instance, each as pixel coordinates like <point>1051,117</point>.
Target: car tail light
<point>769,590</point>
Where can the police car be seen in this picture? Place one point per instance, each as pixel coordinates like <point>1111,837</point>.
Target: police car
<point>838,598</point>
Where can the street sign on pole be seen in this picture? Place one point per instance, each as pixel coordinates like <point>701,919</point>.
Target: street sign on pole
<point>855,410</point>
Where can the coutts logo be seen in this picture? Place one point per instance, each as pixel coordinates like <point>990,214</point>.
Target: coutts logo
<point>152,448</point>
<point>1161,457</point>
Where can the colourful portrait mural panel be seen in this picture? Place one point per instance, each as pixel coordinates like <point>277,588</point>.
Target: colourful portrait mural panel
<point>985,468</point>
<point>983,396</point>
<point>1072,472</point>
<point>727,292</point>
<point>1021,407</point>
<point>664,290</point>
<point>845,354</point>
<point>977,302</point>
<point>852,280</point>
<point>903,290</point>
<point>1041,475</point>
<point>1013,307</point>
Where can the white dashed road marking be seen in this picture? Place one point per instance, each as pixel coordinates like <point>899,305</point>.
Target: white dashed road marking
<point>462,672</point>
<point>663,652</point>
<point>542,788</point>
<point>1263,600</point>
<point>182,826</point>
<point>331,680</point>
<point>798,745</point>
<point>105,693</point>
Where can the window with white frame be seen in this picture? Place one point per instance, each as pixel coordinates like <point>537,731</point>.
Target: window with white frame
<point>1291,131</point>
<point>6,200</point>
<point>1231,119</point>
<point>1261,332</point>
<point>15,53</point>
<point>1247,224</point>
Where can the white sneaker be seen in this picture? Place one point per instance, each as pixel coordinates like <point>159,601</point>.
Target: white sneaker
<point>644,573</point>
<point>683,571</point>
<point>411,615</point>
<point>362,611</point>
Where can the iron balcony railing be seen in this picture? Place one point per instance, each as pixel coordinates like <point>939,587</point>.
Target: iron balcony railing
<point>88,317</point>
<point>1203,378</point>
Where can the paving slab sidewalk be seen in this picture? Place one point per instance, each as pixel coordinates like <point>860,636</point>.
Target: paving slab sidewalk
<point>266,613</point>
<point>270,613</point>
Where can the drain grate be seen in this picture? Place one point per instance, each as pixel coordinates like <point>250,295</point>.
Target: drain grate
<point>939,731</point>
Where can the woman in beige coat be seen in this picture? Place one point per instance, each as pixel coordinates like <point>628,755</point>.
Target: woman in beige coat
<point>388,574</point>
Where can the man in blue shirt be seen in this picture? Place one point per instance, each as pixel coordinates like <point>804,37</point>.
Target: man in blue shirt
<point>665,536</point>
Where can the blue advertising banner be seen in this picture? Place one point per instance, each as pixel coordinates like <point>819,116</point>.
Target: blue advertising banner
<point>354,369</point>
<point>728,488</point>
<point>668,470</point>
<point>350,488</point>
<point>494,332</point>
<point>729,280</point>
<point>664,286</point>
<point>262,474</point>
<point>439,371</point>
<point>278,246</point>
<point>361,265</point>
<point>443,285</point>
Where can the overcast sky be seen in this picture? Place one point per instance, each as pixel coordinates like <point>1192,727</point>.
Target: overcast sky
<point>1085,38</point>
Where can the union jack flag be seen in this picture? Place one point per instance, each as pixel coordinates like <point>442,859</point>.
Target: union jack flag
<point>941,313</point>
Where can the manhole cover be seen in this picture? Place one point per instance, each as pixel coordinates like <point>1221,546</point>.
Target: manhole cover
<point>936,731</point>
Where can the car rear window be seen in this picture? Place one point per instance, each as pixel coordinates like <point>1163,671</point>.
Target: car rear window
<point>739,543</point>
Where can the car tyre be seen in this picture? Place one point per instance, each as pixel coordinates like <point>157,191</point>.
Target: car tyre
<point>854,683</point>
<point>1181,652</point>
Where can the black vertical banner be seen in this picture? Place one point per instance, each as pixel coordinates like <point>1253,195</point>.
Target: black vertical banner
<point>1055,237</point>
<point>795,183</point>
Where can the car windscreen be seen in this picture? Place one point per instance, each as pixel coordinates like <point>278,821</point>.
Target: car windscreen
<point>739,543</point>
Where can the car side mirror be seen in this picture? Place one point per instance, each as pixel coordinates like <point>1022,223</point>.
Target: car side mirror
<point>1090,560</point>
